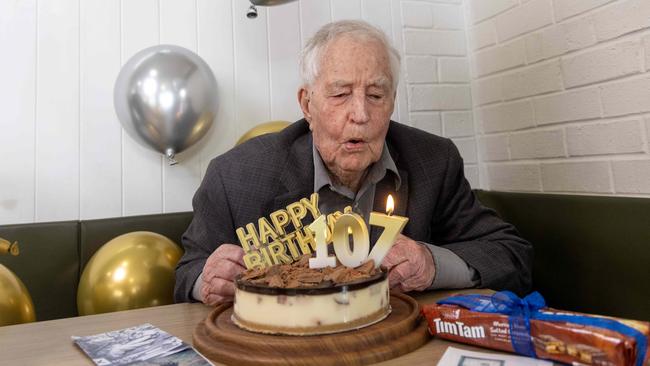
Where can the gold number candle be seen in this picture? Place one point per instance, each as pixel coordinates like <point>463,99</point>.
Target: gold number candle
<point>393,225</point>
<point>322,259</point>
<point>346,225</point>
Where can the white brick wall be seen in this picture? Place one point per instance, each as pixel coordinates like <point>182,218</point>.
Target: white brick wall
<point>523,19</point>
<point>484,34</point>
<point>435,42</point>
<point>621,17</point>
<point>482,9</point>
<point>537,144</point>
<point>559,39</point>
<point>448,16</point>
<point>561,94</point>
<point>439,97</point>
<point>589,177</point>
<point>514,177</point>
<point>500,58</point>
<point>534,80</point>
<point>487,90</point>
<point>631,176</point>
<point>567,106</point>
<point>427,121</point>
<point>507,117</point>
<point>494,147</point>
<point>569,8</point>
<point>437,80</point>
<point>454,70</point>
<point>458,124</point>
<point>417,14</point>
<point>421,69</point>
<point>467,149</point>
<point>604,63</point>
<point>626,97</point>
<point>606,138</point>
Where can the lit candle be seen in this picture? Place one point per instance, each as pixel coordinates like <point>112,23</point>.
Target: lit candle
<point>322,259</point>
<point>346,225</point>
<point>393,225</point>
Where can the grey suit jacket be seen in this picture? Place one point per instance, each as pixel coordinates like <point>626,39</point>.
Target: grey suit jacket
<point>269,172</point>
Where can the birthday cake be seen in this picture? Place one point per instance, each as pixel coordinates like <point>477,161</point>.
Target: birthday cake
<point>297,300</point>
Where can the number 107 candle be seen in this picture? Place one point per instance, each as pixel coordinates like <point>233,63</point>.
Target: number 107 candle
<point>352,225</point>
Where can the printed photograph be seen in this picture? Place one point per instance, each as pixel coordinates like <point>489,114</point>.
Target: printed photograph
<point>126,346</point>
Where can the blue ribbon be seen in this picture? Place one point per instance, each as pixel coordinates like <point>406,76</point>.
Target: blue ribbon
<point>521,311</point>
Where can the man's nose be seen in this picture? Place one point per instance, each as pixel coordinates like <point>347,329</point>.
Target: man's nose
<point>359,109</point>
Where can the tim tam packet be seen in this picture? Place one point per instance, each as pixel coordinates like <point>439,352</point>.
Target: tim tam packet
<point>526,326</point>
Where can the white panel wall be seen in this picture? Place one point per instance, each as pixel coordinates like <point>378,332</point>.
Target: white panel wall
<point>100,143</point>
<point>141,168</point>
<point>561,94</point>
<point>57,110</point>
<point>178,25</point>
<point>65,155</point>
<point>18,102</point>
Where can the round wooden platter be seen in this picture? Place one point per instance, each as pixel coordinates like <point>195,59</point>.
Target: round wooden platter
<point>403,331</point>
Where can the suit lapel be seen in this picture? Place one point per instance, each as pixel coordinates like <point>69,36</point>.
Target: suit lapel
<point>297,176</point>
<point>385,187</point>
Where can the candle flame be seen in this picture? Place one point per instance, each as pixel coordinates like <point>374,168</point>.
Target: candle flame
<point>390,205</point>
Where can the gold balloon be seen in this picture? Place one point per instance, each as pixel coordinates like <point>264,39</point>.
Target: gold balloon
<point>263,128</point>
<point>131,271</point>
<point>15,303</point>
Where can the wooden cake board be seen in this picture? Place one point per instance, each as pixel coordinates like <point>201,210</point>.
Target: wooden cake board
<point>403,331</point>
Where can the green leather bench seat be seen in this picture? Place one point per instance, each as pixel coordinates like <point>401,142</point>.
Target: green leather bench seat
<point>53,255</point>
<point>48,265</point>
<point>592,253</point>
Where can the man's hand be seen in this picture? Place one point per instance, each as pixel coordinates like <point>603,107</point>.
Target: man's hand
<point>219,272</point>
<point>410,265</point>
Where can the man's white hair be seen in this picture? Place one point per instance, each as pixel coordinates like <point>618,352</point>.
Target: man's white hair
<point>310,57</point>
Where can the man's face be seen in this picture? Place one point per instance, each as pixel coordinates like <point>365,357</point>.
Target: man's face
<point>349,105</point>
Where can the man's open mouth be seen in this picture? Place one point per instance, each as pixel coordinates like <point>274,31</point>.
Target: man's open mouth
<point>354,144</point>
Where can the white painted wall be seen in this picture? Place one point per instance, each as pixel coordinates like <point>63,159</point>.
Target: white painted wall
<point>562,94</point>
<point>64,154</point>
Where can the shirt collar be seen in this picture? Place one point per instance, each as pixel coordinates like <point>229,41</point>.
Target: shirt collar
<point>377,170</point>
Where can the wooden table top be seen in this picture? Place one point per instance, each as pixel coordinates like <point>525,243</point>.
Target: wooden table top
<point>49,342</point>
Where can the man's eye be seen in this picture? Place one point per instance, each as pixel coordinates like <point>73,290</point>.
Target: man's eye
<point>376,96</point>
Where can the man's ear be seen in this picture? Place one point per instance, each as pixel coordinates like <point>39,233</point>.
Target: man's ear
<point>303,99</point>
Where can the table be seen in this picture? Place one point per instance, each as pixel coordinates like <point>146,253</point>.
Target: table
<point>49,343</point>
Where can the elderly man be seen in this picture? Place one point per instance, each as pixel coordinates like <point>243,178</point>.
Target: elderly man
<point>347,149</point>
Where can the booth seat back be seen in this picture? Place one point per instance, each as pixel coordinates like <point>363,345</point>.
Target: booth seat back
<point>592,254</point>
<point>53,255</point>
<point>48,265</point>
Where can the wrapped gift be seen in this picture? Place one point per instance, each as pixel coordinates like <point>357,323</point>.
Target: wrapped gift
<point>526,326</point>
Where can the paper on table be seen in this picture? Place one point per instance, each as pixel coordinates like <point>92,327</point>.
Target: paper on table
<point>144,344</point>
<point>460,357</point>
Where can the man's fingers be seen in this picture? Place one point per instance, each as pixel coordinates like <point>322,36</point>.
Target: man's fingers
<point>397,274</point>
<point>392,258</point>
<point>228,272</point>
<point>217,287</point>
<point>213,299</point>
<point>231,252</point>
<point>223,269</point>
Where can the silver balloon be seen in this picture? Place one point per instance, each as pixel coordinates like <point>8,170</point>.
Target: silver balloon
<point>166,98</point>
